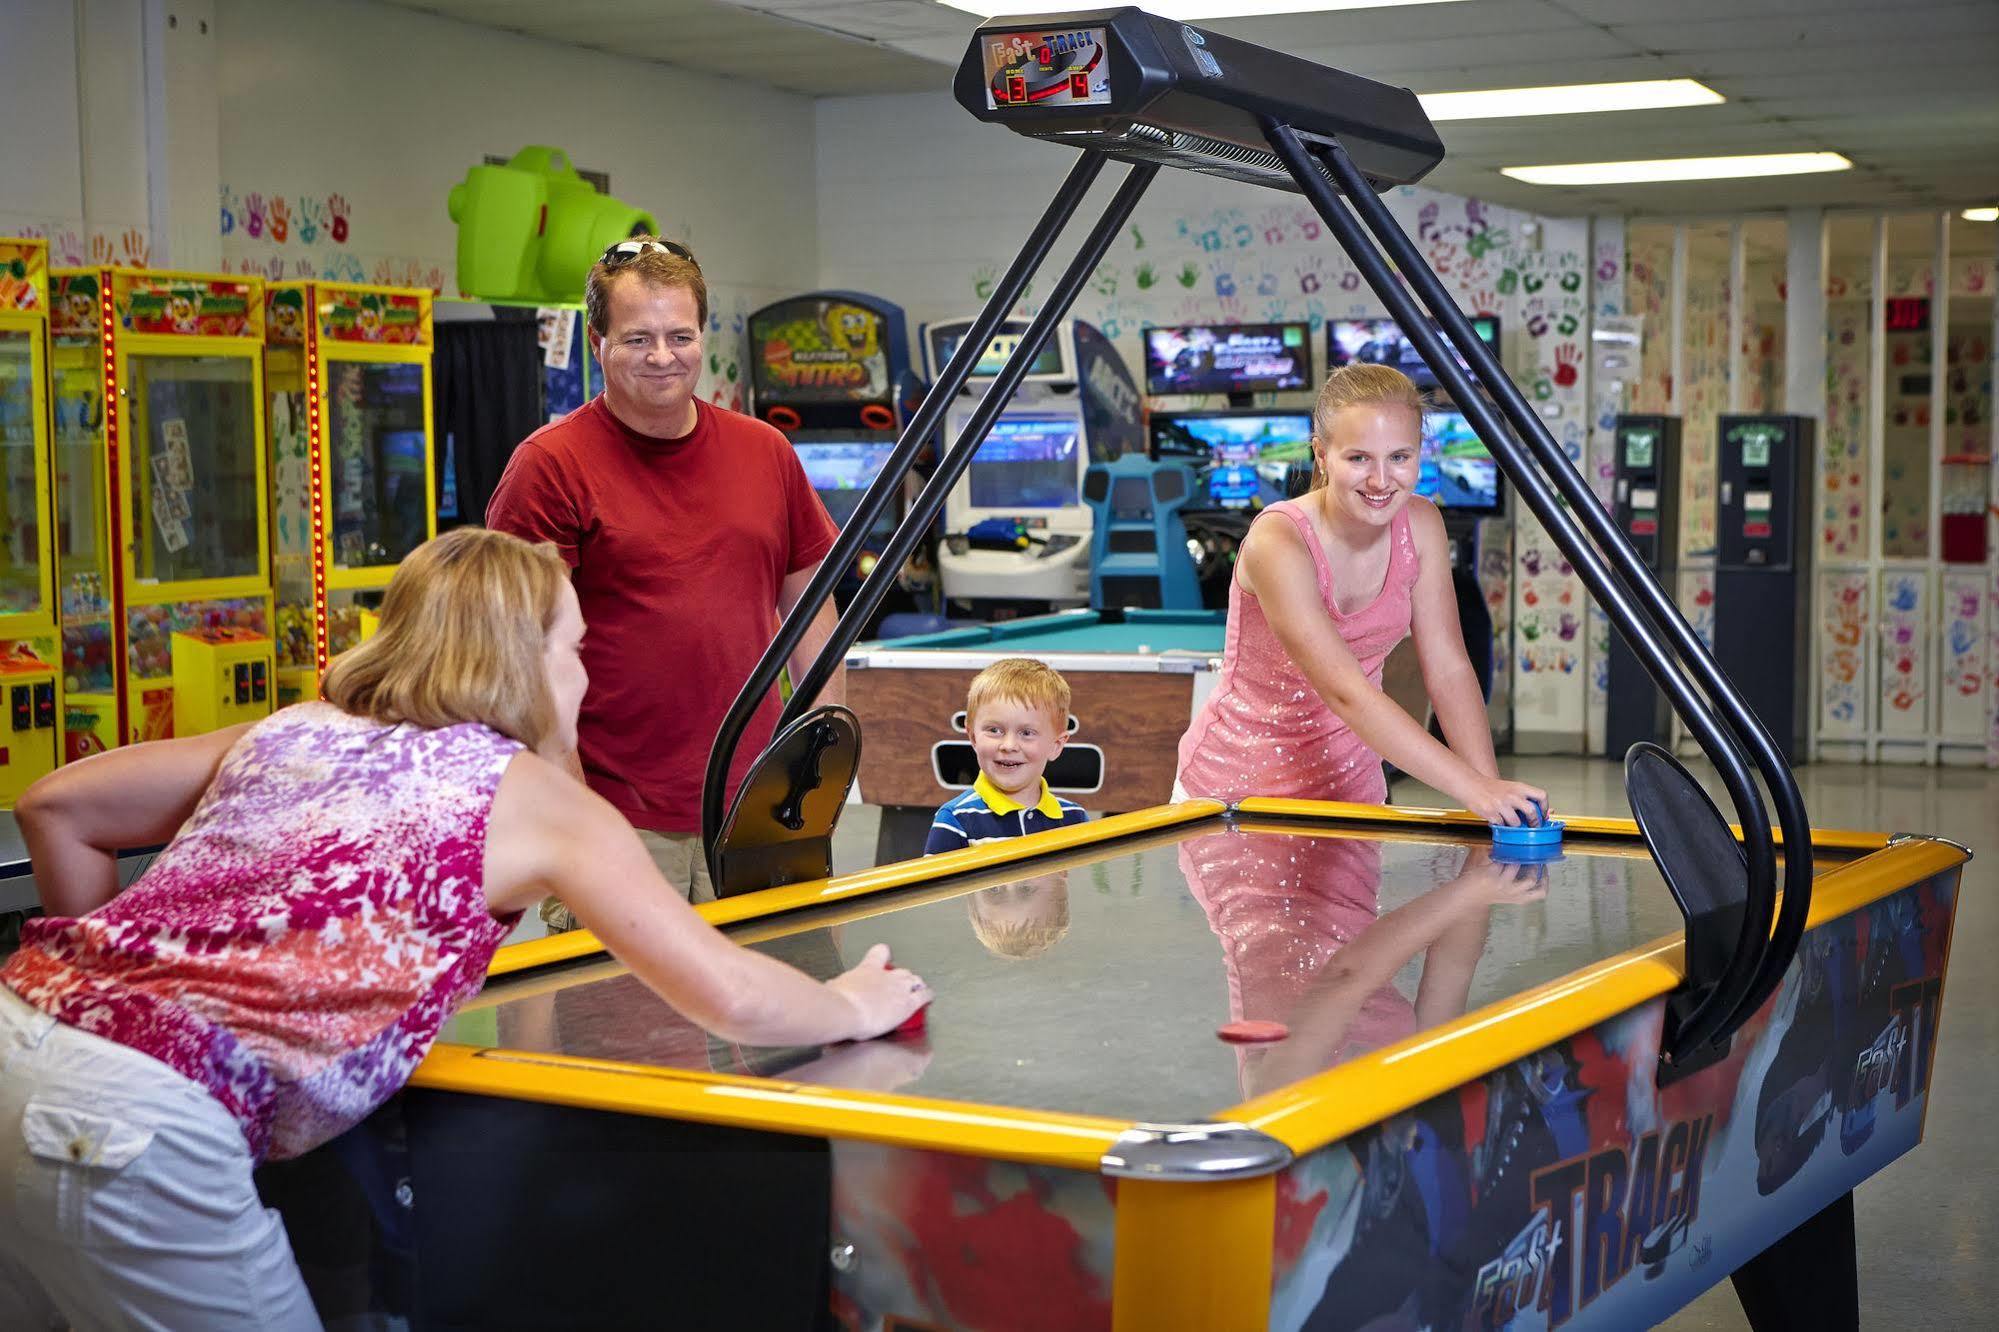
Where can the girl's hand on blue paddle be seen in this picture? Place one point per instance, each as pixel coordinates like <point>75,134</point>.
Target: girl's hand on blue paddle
<point>1512,804</point>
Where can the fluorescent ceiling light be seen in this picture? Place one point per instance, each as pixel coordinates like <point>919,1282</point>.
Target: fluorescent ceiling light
<point>1678,168</point>
<point>1573,100</point>
<point>1190,11</point>
<point>1980,215</point>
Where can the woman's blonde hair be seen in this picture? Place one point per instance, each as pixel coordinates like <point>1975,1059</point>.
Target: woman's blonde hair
<point>464,623</point>
<point>1362,384</point>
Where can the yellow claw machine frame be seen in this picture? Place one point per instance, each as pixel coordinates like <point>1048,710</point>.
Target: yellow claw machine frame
<point>30,695</point>
<point>353,481</point>
<point>167,586</point>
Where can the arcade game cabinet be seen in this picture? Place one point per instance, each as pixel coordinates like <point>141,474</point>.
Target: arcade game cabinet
<point>353,488</point>
<point>31,733</point>
<point>167,616</point>
<point>1244,459</point>
<point>831,370</point>
<point>1016,529</point>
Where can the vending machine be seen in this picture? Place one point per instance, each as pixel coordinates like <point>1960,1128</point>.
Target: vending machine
<point>1763,571</point>
<point>1645,502</point>
<point>31,725</point>
<point>167,518</point>
<point>353,473</point>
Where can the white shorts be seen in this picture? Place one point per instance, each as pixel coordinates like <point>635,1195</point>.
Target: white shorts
<point>129,1201</point>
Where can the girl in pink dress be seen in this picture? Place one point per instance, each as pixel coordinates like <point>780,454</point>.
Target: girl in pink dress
<point>1325,586</point>
<point>338,877</point>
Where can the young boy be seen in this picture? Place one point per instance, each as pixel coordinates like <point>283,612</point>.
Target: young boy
<point>1017,714</point>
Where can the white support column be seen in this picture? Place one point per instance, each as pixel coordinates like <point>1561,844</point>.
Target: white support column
<point>1939,372</point>
<point>1877,433</point>
<point>1804,394</point>
<point>1738,299</point>
<point>1678,297</point>
<point>1804,313</point>
<point>183,133</point>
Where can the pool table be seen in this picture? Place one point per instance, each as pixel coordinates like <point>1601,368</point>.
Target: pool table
<point>1135,678</point>
<point>1463,1123</point>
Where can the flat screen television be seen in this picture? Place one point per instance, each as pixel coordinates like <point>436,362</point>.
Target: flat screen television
<point>841,471</point>
<point>1028,462</point>
<point>1382,342</point>
<point>1051,365</point>
<point>1459,472</point>
<point>1246,453</point>
<point>1227,358</point>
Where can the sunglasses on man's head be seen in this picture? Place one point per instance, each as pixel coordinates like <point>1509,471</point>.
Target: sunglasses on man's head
<point>626,251</point>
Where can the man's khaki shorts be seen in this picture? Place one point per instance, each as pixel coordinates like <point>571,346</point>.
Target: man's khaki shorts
<point>680,861</point>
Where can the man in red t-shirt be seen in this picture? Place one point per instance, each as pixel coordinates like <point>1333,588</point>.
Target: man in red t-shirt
<point>690,531</point>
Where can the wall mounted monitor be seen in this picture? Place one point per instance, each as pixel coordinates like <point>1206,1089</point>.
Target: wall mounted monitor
<point>1459,472</point>
<point>1028,462</point>
<point>1227,358</point>
<point>1382,342</point>
<point>841,470</point>
<point>1053,365</point>
<point>1247,453</point>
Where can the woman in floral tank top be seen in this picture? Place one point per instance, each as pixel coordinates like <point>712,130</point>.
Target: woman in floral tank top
<point>337,880</point>
<point>1325,587</point>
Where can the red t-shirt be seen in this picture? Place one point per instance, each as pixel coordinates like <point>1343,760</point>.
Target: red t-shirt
<point>680,548</point>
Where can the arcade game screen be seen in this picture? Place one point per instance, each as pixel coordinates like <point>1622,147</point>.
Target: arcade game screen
<point>1028,462</point>
<point>1459,472</point>
<point>1227,358</point>
<point>841,471</point>
<point>1246,453</point>
<point>1382,342</point>
<point>1048,365</point>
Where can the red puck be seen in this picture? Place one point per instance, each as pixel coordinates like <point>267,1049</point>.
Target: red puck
<point>1252,1031</point>
<point>915,1022</point>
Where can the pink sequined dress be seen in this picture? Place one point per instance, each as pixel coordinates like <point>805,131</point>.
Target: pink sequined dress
<point>1265,731</point>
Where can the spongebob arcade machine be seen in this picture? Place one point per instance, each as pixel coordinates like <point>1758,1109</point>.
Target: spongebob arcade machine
<point>831,370</point>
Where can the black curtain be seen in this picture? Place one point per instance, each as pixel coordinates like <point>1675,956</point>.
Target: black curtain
<point>489,399</point>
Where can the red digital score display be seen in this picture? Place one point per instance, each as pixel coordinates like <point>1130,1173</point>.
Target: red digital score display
<point>1908,314</point>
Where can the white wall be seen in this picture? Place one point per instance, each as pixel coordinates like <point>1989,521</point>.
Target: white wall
<point>384,110</point>
<point>349,107</point>
<point>73,158</point>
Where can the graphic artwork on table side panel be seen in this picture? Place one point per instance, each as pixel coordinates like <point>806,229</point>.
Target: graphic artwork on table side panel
<point>1567,1187</point>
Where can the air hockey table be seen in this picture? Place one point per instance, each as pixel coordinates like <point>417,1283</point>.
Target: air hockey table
<point>1462,1128</point>
<point>1135,677</point>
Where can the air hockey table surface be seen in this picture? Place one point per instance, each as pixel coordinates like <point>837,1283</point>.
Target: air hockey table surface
<point>1462,1127</point>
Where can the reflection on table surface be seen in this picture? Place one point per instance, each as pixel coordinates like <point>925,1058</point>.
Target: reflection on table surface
<point>1096,986</point>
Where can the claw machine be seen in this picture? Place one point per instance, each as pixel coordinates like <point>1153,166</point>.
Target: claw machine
<point>166,558</point>
<point>31,723</point>
<point>353,482</point>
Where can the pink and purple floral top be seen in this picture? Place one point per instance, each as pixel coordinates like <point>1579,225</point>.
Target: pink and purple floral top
<point>297,946</point>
